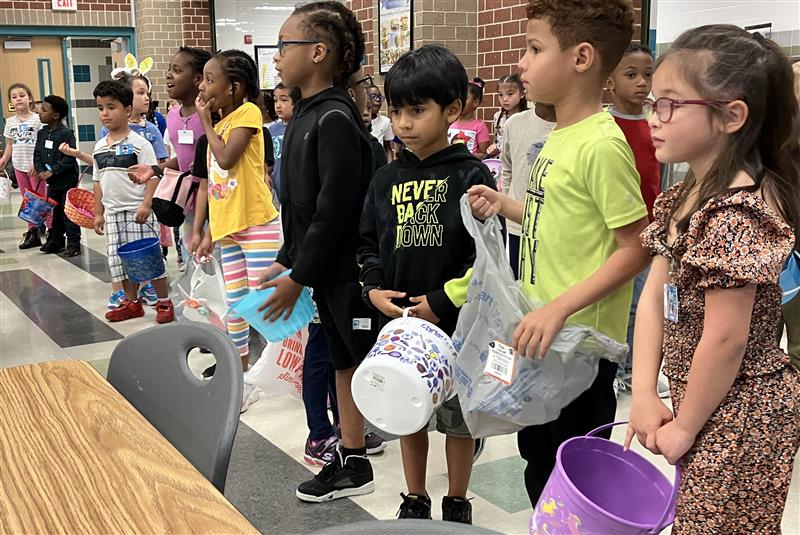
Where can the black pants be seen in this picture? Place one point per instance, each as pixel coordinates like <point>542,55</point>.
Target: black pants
<point>538,443</point>
<point>61,223</point>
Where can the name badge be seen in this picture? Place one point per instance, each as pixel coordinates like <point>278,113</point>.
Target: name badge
<point>671,303</point>
<point>23,127</point>
<point>123,149</point>
<point>186,137</point>
<point>362,324</point>
<point>48,144</point>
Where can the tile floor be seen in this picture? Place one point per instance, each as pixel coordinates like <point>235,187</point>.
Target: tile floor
<point>52,308</point>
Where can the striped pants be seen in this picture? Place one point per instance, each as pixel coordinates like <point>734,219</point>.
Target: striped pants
<point>245,257</point>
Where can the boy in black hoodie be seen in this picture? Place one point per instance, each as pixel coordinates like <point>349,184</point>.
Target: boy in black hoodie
<point>60,171</point>
<point>415,246</point>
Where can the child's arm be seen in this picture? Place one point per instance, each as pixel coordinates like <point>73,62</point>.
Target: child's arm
<point>75,153</point>
<point>715,365</point>
<point>38,153</point>
<point>99,211</point>
<point>537,329</point>
<point>648,412</point>
<point>226,154</point>
<point>505,157</point>
<point>62,161</point>
<point>482,139</point>
<point>369,258</point>
<point>200,217</point>
<point>486,202</point>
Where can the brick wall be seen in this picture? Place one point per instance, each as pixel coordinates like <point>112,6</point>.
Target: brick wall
<point>366,11</point>
<point>102,13</point>
<point>196,22</point>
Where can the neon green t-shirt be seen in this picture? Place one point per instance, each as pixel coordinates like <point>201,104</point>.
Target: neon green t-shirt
<point>582,186</point>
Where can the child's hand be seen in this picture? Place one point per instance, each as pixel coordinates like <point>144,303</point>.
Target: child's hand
<point>140,173</point>
<point>143,213</point>
<point>99,224</point>
<point>536,331</point>
<point>648,415</point>
<point>493,150</point>
<point>422,309</point>
<point>281,302</point>
<point>382,300</point>
<point>44,175</point>
<point>484,201</point>
<point>203,246</point>
<point>673,441</point>
<point>270,273</point>
<point>69,151</point>
<point>204,108</point>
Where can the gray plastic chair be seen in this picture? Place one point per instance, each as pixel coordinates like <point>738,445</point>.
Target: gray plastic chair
<point>199,417</point>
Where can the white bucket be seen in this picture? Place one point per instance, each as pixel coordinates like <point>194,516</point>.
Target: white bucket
<point>405,377</point>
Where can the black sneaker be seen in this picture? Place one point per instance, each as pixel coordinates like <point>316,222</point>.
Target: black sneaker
<point>415,506</point>
<point>72,250</point>
<point>52,247</point>
<point>339,479</point>
<point>480,444</point>
<point>456,509</point>
<point>31,240</point>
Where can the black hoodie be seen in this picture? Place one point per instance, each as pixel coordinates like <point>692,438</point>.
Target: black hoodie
<point>413,238</point>
<point>325,172</point>
<point>47,157</point>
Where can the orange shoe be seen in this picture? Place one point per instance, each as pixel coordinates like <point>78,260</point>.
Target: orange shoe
<point>126,311</point>
<point>165,311</point>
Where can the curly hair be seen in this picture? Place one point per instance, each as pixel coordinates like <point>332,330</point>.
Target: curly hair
<point>335,26</point>
<point>239,67</point>
<point>198,57</point>
<point>607,25</point>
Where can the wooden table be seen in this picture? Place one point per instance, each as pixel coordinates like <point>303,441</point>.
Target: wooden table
<point>78,458</point>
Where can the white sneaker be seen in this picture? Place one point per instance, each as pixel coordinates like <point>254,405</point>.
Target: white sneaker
<point>249,396</point>
<point>621,386</point>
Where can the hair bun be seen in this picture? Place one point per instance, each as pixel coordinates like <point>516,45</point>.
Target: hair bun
<point>479,82</point>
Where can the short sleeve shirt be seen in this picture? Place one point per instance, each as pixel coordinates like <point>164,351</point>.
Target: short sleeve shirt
<point>150,132</point>
<point>238,198</point>
<point>582,186</point>
<point>473,133</point>
<point>111,163</point>
<point>176,123</point>
<point>23,139</point>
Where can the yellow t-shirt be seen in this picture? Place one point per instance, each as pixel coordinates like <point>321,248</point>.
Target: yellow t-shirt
<point>238,198</point>
<point>582,186</point>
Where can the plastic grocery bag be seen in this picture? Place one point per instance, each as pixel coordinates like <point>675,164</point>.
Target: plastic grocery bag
<point>495,305</point>
<point>5,188</point>
<point>279,370</point>
<point>201,291</point>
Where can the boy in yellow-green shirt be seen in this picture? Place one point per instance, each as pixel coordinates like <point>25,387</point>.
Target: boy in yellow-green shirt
<point>583,211</point>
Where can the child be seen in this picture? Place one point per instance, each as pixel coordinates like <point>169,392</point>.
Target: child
<point>583,212</point>
<point>326,158</point>
<point>425,90</point>
<point>524,135</point>
<point>468,129</point>
<point>285,99</point>
<point>123,209</point>
<point>359,88</point>
<point>61,173</point>
<point>241,214</point>
<point>511,94</point>
<point>630,85</point>
<point>720,238</point>
<point>20,133</point>
<point>381,125</point>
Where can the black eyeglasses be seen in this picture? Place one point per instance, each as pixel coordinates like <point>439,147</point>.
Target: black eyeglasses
<point>282,44</point>
<point>664,107</point>
<point>376,97</point>
<point>365,81</point>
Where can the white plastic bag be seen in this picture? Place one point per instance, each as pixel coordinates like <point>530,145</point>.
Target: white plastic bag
<point>203,294</point>
<point>495,305</point>
<point>279,370</point>
<point>5,188</point>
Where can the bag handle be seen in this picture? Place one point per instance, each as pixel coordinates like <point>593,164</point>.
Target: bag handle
<point>662,522</point>
<point>145,223</point>
<point>177,188</point>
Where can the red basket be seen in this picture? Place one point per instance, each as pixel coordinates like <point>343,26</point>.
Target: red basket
<point>80,207</point>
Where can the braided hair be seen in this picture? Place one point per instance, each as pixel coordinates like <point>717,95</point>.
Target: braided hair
<point>240,68</point>
<point>336,26</point>
<point>198,57</point>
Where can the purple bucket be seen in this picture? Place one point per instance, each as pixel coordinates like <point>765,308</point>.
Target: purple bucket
<point>596,487</point>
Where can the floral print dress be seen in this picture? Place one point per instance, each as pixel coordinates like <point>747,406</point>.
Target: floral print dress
<point>736,476</point>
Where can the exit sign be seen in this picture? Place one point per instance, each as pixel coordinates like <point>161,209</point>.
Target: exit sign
<point>65,5</point>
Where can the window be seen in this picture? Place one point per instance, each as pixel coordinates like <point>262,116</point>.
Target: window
<point>86,132</point>
<point>81,73</point>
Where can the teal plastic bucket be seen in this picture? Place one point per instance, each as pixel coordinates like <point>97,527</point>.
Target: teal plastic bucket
<point>142,259</point>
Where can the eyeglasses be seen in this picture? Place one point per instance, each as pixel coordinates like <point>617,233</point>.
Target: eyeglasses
<point>365,81</point>
<point>282,44</point>
<point>664,107</point>
<point>376,97</point>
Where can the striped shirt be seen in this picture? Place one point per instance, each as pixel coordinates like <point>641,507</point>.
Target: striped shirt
<point>23,140</point>
<point>111,163</point>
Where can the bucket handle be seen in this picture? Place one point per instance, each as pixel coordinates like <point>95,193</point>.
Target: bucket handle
<point>406,312</point>
<point>661,524</point>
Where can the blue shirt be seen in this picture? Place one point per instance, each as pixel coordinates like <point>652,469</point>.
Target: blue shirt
<point>150,132</point>
<point>277,130</point>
